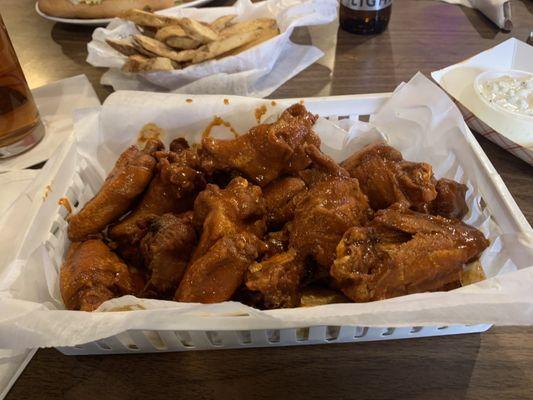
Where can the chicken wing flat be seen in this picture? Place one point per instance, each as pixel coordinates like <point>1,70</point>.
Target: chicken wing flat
<point>267,150</point>
<point>92,274</point>
<point>333,204</point>
<point>239,207</point>
<point>215,276</point>
<point>128,179</point>
<point>386,178</point>
<point>166,250</point>
<point>278,280</point>
<point>172,190</point>
<point>450,201</point>
<point>281,197</point>
<point>402,252</point>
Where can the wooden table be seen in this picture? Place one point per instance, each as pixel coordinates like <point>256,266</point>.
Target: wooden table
<point>424,35</point>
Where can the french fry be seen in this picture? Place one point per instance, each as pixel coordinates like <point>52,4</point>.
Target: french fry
<point>141,50</point>
<point>222,22</point>
<point>133,63</point>
<point>148,64</point>
<point>162,50</point>
<point>183,43</point>
<point>169,31</point>
<point>248,26</point>
<point>123,46</point>
<point>215,49</point>
<point>266,34</point>
<point>198,31</point>
<point>145,18</point>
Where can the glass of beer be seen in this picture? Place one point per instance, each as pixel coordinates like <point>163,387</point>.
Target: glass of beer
<point>20,125</point>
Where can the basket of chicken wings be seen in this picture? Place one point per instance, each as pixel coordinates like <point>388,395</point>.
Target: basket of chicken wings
<point>299,215</point>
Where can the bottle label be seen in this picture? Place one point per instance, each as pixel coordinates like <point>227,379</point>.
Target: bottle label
<point>366,5</point>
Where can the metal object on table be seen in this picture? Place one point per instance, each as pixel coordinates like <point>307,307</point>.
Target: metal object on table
<point>529,40</point>
<point>20,125</point>
<point>507,24</point>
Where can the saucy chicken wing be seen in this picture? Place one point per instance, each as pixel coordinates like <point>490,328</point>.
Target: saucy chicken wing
<point>267,150</point>
<point>216,275</point>
<point>172,190</point>
<point>277,280</point>
<point>386,178</point>
<point>239,207</point>
<point>402,252</point>
<point>450,201</point>
<point>166,250</point>
<point>281,197</point>
<point>128,179</point>
<point>333,204</point>
<point>92,274</point>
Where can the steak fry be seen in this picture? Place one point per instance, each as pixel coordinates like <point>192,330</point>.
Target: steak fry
<point>128,179</point>
<point>402,252</point>
<point>92,274</point>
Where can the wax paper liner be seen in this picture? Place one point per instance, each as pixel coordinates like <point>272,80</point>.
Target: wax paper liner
<point>419,119</point>
<point>256,72</point>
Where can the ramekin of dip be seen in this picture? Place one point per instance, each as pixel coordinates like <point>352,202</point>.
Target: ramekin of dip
<point>509,92</point>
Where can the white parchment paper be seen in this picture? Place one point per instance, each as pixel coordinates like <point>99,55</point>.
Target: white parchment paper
<point>419,119</point>
<point>256,72</point>
<point>493,10</point>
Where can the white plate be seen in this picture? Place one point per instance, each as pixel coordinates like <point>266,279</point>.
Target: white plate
<point>105,21</point>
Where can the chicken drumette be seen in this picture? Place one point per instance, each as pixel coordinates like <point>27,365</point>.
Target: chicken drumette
<point>402,252</point>
<point>232,222</point>
<point>267,150</point>
<point>128,179</point>
<point>92,274</point>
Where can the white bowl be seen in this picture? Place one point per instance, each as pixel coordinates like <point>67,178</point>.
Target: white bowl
<point>492,74</point>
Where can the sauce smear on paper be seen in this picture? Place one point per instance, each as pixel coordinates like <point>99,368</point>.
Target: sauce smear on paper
<point>150,131</point>
<point>217,121</point>
<point>259,112</point>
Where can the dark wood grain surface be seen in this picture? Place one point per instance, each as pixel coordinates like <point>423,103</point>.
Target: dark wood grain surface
<point>424,35</point>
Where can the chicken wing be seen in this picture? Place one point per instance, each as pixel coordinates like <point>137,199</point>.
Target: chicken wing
<point>278,280</point>
<point>166,250</point>
<point>402,252</point>
<point>450,201</point>
<point>172,190</point>
<point>267,150</point>
<point>92,274</point>
<point>281,197</point>
<point>128,179</point>
<point>333,204</point>
<point>386,178</point>
<point>216,275</point>
<point>219,212</point>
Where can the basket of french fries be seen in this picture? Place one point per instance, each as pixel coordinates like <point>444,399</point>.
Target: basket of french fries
<point>244,49</point>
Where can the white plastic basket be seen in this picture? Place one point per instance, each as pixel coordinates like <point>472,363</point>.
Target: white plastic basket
<point>79,181</point>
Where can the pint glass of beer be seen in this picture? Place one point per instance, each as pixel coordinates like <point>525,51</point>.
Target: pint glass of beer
<point>20,126</point>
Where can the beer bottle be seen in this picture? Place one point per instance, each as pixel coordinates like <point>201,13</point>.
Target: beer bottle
<point>365,16</point>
